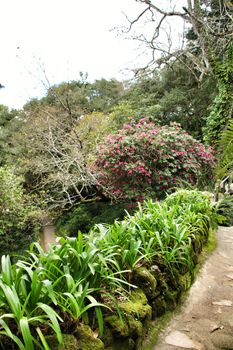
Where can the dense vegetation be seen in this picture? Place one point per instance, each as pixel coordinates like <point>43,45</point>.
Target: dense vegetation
<point>83,154</point>
<point>91,279</point>
<point>18,218</point>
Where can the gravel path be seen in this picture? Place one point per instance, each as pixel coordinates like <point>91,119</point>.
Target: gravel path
<point>206,318</point>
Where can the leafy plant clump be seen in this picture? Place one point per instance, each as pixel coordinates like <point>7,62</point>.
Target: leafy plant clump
<point>145,159</point>
<point>224,207</point>
<point>93,279</point>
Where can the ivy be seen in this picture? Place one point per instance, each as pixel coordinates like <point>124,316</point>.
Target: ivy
<point>222,109</point>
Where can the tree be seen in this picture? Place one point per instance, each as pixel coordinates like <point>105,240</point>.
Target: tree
<point>10,122</point>
<point>173,94</point>
<point>57,142</point>
<point>207,28</point>
<point>206,36</point>
<point>79,97</point>
<point>54,158</point>
<point>17,228</point>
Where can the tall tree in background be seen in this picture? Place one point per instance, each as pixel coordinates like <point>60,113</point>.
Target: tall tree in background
<point>173,94</point>
<point>81,97</point>
<point>205,37</point>
<point>57,141</point>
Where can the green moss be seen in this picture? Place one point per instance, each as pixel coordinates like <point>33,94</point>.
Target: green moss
<point>146,281</point>
<point>107,336</point>
<point>160,278</point>
<point>137,306</point>
<point>69,342</point>
<point>116,343</point>
<point>121,344</point>
<point>211,243</point>
<point>86,339</point>
<point>135,327</point>
<point>118,326</point>
<point>159,306</point>
<point>185,281</point>
<point>155,328</point>
<point>171,297</point>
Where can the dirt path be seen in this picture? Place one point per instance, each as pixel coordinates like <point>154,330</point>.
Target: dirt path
<point>48,236</point>
<point>206,318</point>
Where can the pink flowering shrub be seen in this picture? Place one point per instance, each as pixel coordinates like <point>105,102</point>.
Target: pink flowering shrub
<point>144,159</point>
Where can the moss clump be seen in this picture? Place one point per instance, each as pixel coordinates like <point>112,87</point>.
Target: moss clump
<point>86,339</point>
<point>118,326</point>
<point>137,306</point>
<point>135,327</point>
<point>107,336</point>
<point>121,344</point>
<point>159,306</point>
<point>171,297</point>
<point>69,342</point>
<point>126,332</point>
<point>160,278</point>
<point>112,342</point>
<point>146,281</point>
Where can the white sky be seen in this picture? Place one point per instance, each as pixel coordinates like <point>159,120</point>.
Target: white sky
<point>64,36</point>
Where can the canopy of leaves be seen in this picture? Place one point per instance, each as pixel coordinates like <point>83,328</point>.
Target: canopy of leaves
<point>10,122</point>
<point>173,94</point>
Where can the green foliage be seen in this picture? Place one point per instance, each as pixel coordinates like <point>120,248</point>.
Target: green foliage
<point>225,149</point>
<point>224,207</point>
<point>144,159</point>
<point>79,97</point>
<point>222,108</point>
<point>9,124</point>
<point>21,292</point>
<point>88,277</point>
<point>120,115</point>
<point>86,215</point>
<point>173,95</point>
<point>17,229</point>
<point>57,141</point>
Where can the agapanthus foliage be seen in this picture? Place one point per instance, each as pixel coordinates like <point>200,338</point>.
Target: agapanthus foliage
<point>144,159</point>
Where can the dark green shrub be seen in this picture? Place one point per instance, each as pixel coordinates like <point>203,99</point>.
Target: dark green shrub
<point>17,222</point>
<point>86,215</point>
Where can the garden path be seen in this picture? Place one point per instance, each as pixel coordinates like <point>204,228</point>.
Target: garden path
<point>48,234</point>
<point>206,318</point>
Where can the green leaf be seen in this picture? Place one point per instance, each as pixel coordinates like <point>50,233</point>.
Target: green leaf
<point>25,330</point>
<point>53,317</point>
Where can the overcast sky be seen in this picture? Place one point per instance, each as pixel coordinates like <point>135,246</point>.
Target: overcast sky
<point>65,37</point>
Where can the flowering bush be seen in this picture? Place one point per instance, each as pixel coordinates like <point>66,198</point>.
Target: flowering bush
<point>145,159</point>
